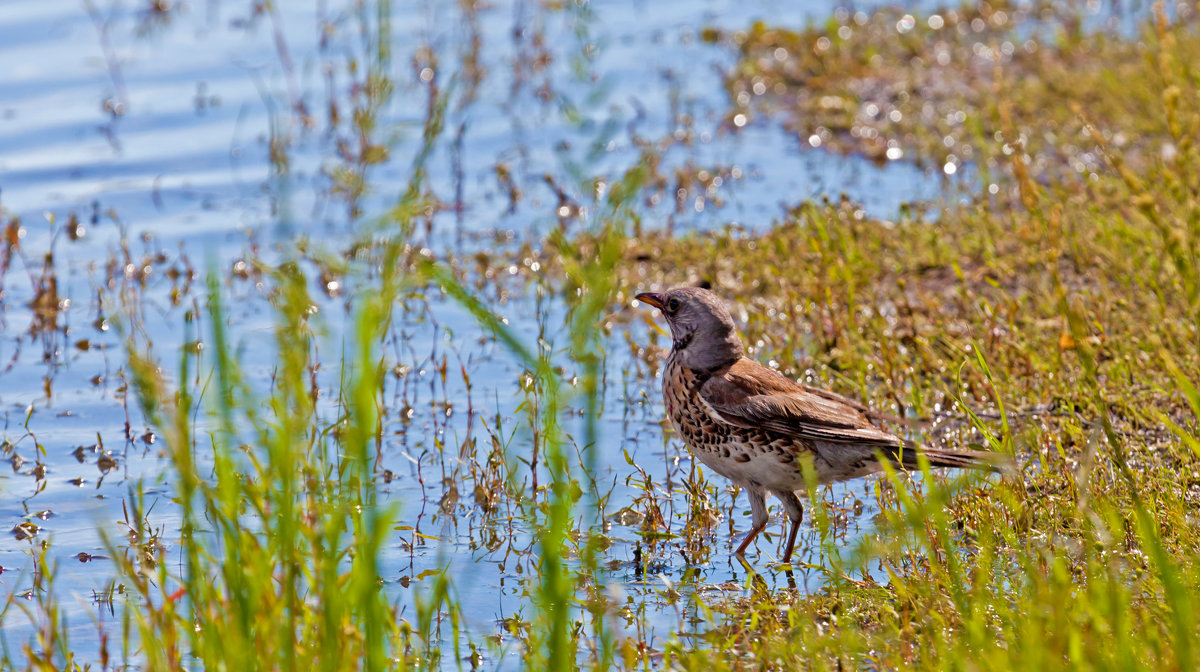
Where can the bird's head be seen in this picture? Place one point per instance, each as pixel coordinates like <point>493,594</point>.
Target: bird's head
<point>702,329</point>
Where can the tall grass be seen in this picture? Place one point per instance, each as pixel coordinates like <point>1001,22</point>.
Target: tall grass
<point>565,594</point>
<point>1054,320</point>
<point>280,530</point>
<point>281,533</point>
<point>1016,325</point>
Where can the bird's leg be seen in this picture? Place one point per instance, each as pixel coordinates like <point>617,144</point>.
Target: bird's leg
<point>795,513</point>
<point>791,543</point>
<point>758,509</point>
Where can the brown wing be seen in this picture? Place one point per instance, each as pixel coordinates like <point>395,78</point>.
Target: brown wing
<point>869,412</point>
<point>750,395</point>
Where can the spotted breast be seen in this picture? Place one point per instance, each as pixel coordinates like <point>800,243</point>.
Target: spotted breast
<point>751,458</point>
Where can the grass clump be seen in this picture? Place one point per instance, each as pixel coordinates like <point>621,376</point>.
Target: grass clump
<point>945,87</point>
<point>280,530</point>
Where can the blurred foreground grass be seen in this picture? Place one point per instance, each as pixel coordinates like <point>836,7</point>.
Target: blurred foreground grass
<point>1054,316</point>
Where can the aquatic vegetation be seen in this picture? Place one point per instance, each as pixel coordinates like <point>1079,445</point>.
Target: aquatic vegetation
<point>350,430</point>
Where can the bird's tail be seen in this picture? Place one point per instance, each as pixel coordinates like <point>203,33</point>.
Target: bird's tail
<point>907,458</point>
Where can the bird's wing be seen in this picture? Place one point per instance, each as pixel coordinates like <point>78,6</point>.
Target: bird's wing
<point>871,413</point>
<point>750,395</point>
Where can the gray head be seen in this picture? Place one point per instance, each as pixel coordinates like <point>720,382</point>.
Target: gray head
<point>701,327</point>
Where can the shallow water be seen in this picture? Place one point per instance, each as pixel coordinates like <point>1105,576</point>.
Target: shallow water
<point>184,175</point>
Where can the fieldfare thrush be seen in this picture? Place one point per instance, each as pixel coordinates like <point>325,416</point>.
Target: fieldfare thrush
<point>757,427</point>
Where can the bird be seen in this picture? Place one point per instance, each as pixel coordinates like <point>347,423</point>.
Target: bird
<point>758,428</point>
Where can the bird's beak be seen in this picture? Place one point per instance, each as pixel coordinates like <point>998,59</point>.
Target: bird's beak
<point>651,299</point>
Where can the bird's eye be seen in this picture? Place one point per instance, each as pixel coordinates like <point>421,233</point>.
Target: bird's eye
<point>672,305</point>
